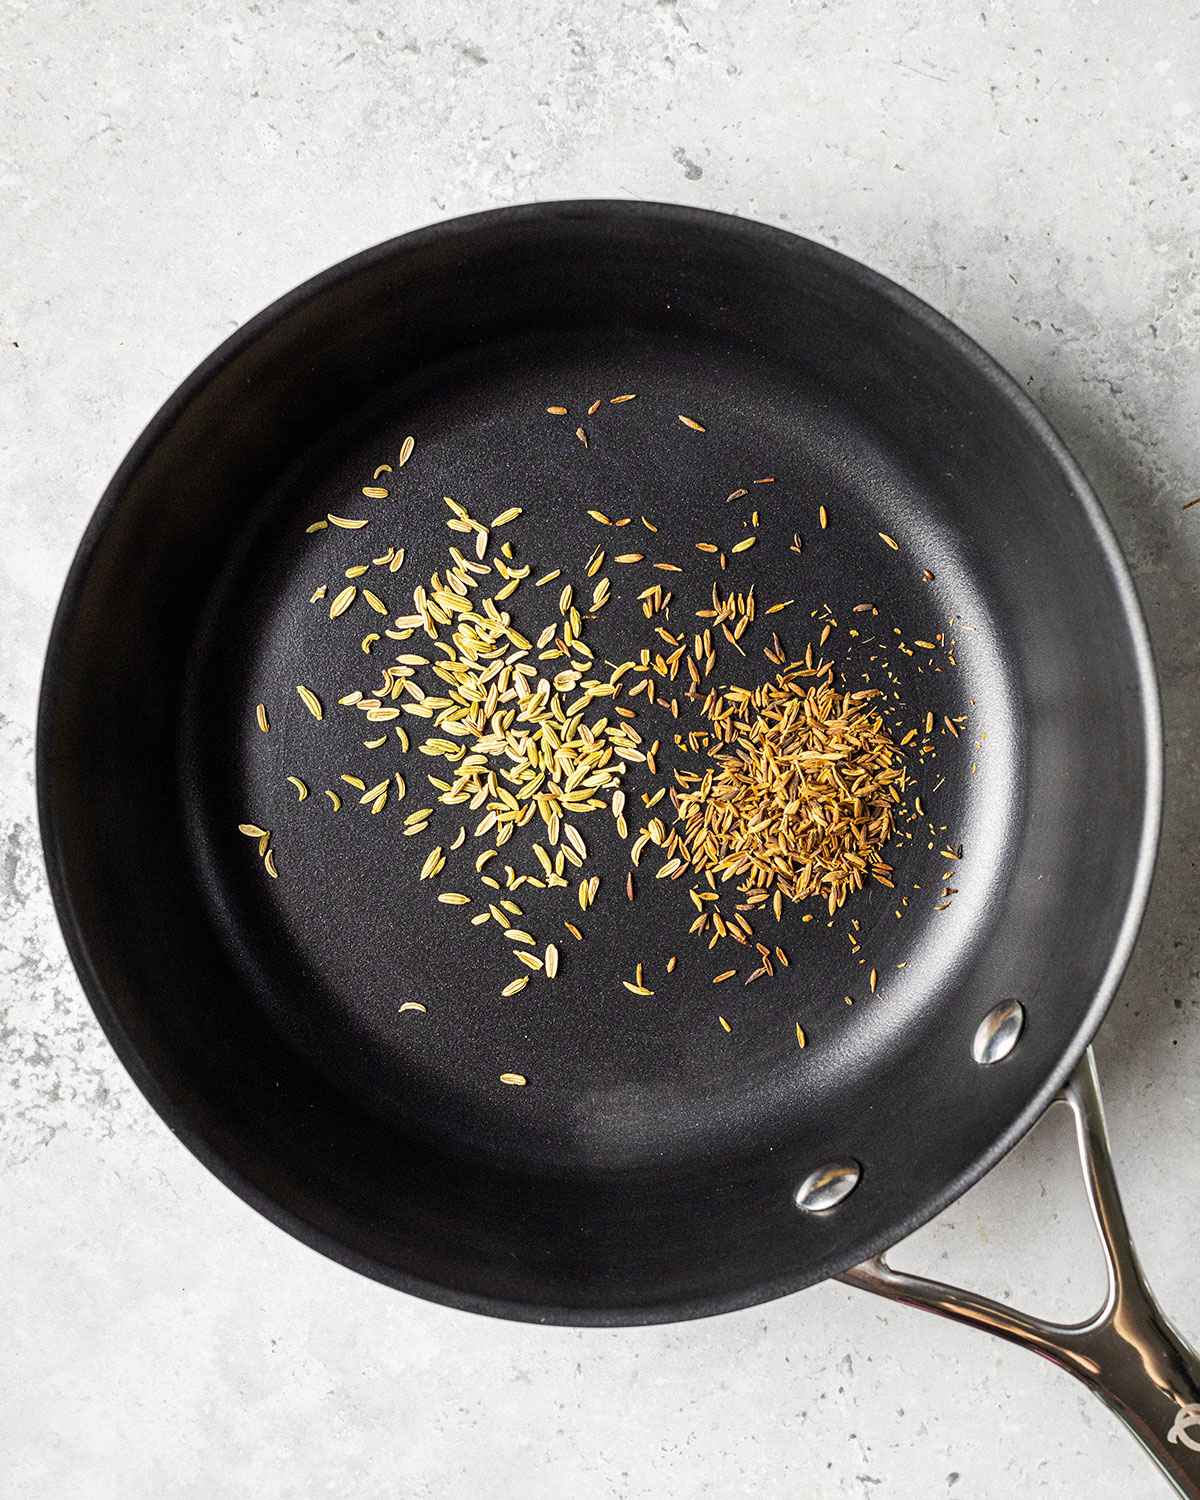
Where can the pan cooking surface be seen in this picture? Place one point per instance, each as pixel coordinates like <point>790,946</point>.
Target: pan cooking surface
<point>647,1170</point>
<point>348,932</point>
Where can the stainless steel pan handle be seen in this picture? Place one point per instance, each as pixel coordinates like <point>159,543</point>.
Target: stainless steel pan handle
<point>1127,1353</point>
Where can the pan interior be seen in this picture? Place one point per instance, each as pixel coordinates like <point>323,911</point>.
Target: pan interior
<point>647,1168</point>
<point>349,932</point>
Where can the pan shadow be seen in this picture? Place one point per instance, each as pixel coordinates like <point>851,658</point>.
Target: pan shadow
<point>1126,452</point>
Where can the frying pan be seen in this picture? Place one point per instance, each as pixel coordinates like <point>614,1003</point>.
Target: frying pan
<point>656,1166</point>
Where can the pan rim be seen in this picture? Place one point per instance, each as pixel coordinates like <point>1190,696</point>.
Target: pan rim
<point>174,1110</point>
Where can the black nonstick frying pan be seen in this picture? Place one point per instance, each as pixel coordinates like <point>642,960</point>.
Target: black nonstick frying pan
<point>656,1166</point>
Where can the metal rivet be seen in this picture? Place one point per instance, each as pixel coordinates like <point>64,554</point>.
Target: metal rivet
<point>997,1034</point>
<point>826,1187</point>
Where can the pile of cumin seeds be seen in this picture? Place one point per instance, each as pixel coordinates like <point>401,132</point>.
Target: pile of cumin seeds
<point>801,799</point>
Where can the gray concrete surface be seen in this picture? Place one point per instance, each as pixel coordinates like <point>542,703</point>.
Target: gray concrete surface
<point>167,170</point>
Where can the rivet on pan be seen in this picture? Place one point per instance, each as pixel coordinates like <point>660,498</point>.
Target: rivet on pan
<point>825,1187</point>
<point>997,1034</point>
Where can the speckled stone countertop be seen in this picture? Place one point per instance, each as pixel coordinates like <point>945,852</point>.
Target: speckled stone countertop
<point>165,172</point>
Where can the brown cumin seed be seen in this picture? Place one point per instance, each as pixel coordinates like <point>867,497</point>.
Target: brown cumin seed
<point>692,423</point>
